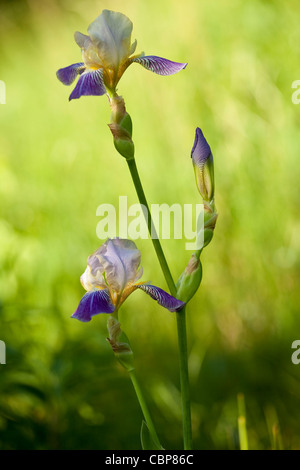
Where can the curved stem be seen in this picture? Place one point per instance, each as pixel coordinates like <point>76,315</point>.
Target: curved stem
<point>180,316</point>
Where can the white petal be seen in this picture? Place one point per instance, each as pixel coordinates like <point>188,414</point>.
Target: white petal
<point>90,54</point>
<point>133,47</point>
<point>118,260</point>
<point>90,281</point>
<point>111,34</point>
<point>82,40</point>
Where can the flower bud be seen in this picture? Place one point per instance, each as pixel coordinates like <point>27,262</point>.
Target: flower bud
<point>203,166</point>
<point>120,344</point>
<point>206,230</point>
<point>121,127</point>
<point>122,141</point>
<point>189,281</point>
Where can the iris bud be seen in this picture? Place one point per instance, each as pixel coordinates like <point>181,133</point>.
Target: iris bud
<point>122,141</point>
<point>203,166</point>
<point>189,281</point>
<point>121,127</point>
<point>120,344</point>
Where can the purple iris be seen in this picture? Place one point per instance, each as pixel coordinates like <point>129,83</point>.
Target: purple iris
<point>203,165</point>
<point>111,276</point>
<point>107,52</point>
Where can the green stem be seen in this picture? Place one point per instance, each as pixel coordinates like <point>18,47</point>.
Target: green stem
<point>143,406</point>
<point>156,243</point>
<point>123,353</point>
<point>181,317</point>
<point>184,379</point>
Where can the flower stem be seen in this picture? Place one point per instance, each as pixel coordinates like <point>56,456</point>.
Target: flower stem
<point>156,243</point>
<point>180,316</point>
<point>144,406</point>
<point>184,379</point>
<point>123,353</point>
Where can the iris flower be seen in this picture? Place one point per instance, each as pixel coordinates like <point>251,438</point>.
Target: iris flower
<point>106,53</point>
<point>112,274</point>
<point>203,166</point>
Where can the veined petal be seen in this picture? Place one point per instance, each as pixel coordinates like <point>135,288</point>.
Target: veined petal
<point>90,83</point>
<point>68,74</point>
<point>92,303</point>
<point>159,65</point>
<point>163,298</point>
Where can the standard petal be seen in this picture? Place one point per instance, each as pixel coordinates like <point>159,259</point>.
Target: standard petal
<point>119,260</point>
<point>92,303</point>
<point>130,256</point>
<point>89,51</point>
<point>159,65</point>
<point>82,40</point>
<point>90,83</point>
<point>91,281</point>
<point>111,33</point>
<point>68,74</point>
<point>163,298</point>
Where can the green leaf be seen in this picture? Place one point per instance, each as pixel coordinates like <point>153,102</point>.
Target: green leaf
<point>148,443</point>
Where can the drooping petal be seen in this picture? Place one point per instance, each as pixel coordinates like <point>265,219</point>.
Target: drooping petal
<point>159,65</point>
<point>92,303</point>
<point>68,74</point>
<point>163,298</point>
<point>111,33</point>
<point>90,83</point>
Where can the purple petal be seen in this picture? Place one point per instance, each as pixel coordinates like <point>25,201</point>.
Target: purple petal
<point>68,74</point>
<point>90,83</point>
<point>164,299</point>
<point>159,65</point>
<point>201,150</point>
<point>92,303</point>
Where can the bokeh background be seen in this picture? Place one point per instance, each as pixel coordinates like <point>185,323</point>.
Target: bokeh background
<point>61,387</point>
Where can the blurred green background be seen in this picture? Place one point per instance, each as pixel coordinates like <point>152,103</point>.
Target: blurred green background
<point>61,387</point>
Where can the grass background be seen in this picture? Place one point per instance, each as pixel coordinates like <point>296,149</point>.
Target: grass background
<point>61,387</point>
